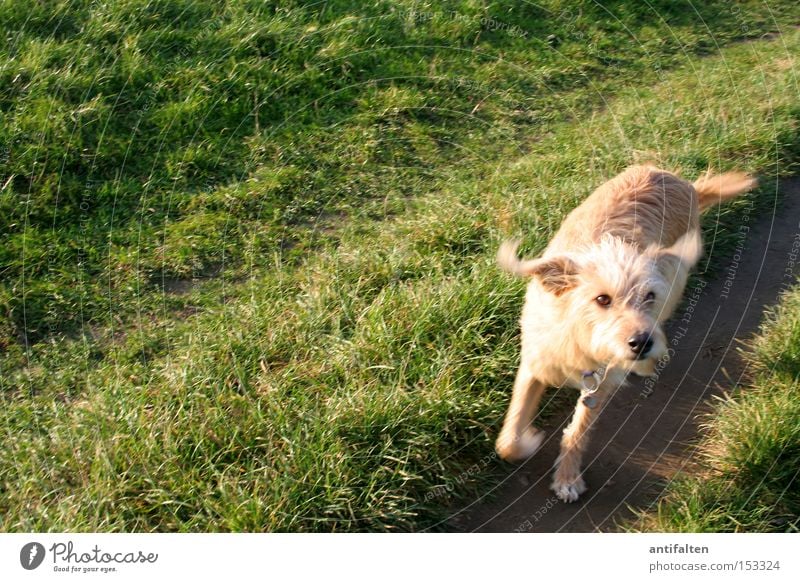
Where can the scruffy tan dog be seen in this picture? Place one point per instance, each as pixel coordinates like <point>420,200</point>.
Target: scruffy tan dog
<point>614,271</point>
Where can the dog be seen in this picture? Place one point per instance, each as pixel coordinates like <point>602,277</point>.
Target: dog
<point>597,298</point>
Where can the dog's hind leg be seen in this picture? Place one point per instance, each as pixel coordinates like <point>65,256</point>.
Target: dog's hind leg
<point>568,484</point>
<point>518,440</point>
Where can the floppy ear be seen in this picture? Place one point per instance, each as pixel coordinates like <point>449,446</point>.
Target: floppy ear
<point>556,274</point>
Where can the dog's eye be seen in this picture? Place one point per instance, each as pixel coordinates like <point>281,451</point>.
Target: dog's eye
<point>603,300</point>
<point>649,297</point>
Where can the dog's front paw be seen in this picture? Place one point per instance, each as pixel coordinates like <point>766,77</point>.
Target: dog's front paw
<point>568,489</point>
<point>520,447</point>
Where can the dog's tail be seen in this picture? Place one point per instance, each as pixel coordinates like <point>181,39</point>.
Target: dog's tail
<point>713,189</point>
<point>509,261</point>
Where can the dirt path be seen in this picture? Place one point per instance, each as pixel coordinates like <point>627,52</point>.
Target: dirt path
<point>643,438</point>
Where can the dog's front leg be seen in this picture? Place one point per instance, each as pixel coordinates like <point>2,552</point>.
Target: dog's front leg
<point>567,481</point>
<point>518,440</point>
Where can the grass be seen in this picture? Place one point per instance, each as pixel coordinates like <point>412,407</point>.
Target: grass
<point>751,453</point>
<point>247,256</point>
<point>147,142</point>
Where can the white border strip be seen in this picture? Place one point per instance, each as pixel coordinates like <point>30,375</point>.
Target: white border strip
<point>388,557</point>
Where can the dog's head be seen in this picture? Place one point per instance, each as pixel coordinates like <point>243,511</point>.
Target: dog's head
<point>613,297</point>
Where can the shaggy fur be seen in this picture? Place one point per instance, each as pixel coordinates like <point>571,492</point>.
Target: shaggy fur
<point>612,274</point>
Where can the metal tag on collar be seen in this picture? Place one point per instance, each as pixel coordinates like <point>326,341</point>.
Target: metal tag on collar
<point>590,382</point>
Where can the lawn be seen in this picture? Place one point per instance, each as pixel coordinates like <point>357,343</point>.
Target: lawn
<point>247,249</point>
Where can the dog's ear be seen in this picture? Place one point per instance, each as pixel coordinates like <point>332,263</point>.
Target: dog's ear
<point>680,257</point>
<point>556,274</point>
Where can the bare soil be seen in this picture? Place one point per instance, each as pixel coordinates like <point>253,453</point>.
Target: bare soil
<point>648,432</point>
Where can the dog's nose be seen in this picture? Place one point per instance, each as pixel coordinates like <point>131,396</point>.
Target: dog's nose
<point>640,344</point>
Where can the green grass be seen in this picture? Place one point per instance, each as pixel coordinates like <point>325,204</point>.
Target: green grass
<point>247,256</point>
<point>750,477</point>
<point>143,142</point>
